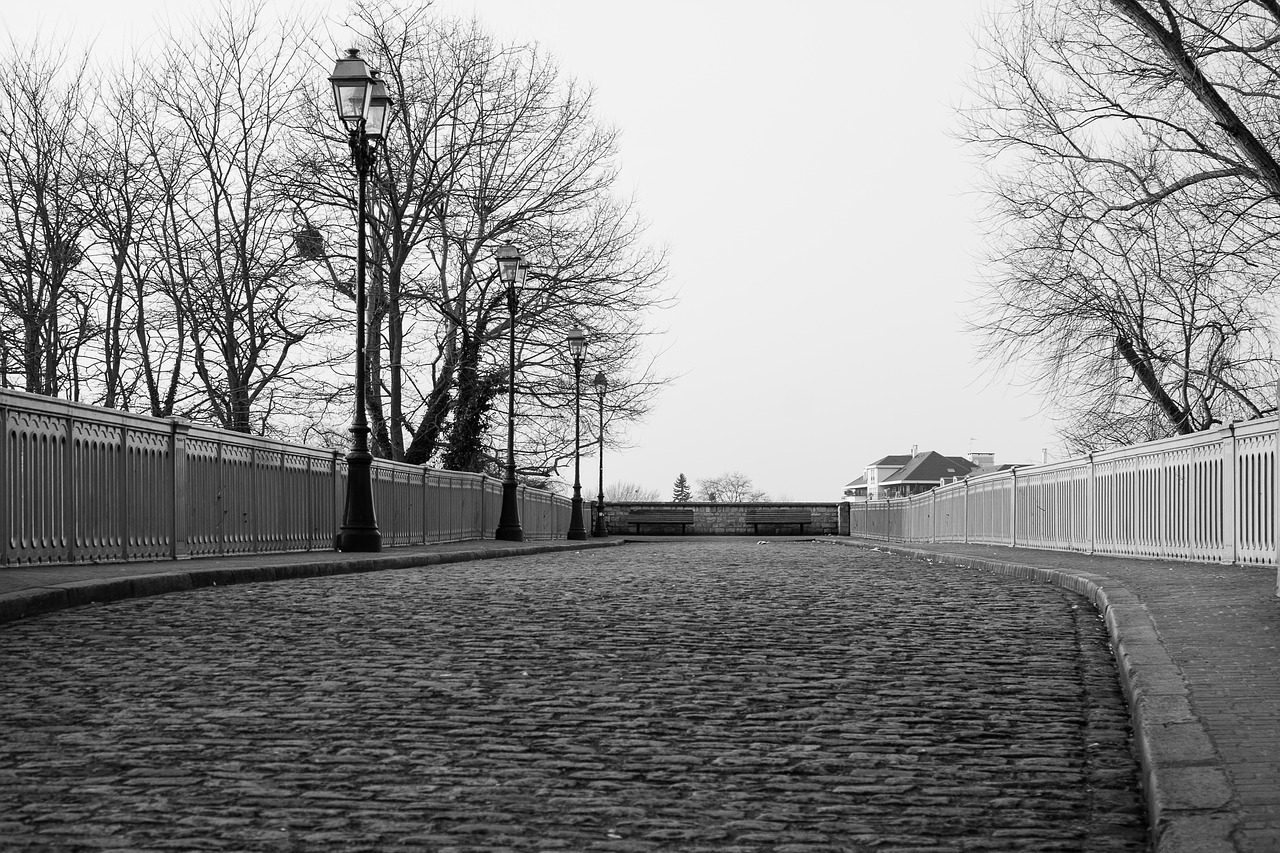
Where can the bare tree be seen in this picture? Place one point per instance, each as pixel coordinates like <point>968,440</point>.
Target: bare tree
<point>44,164</point>
<point>142,333</point>
<point>490,144</point>
<point>730,487</point>
<point>1133,241</point>
<point>190,249</point>
<point>227,97</point>
<point>623,491</point>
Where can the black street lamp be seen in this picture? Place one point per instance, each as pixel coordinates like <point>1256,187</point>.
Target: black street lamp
<point>512,270</point>
<point>577,342</point>
<point>363,106</point>
<point>601,384</point>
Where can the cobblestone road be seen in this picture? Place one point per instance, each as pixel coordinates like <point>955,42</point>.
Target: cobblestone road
<point>725,696</point>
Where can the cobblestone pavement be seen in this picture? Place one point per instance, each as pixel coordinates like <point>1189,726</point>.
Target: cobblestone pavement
<point>719,695</point>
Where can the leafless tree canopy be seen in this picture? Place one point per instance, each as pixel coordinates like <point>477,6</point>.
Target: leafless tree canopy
<point>730,487</point>
<point>1130,154</point>
<point>178,237</point>
<point>46,164</point>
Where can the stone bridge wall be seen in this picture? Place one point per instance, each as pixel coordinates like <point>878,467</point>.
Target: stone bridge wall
<point>723,519</point>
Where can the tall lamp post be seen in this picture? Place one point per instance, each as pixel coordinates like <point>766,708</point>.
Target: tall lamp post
<point>512,269</point>
<point>601,384</point>
<point>577,342</point>
<point>363,106</point>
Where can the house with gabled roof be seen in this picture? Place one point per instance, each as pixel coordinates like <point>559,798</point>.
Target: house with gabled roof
<point>899,476</point>
<point>868,484</point>
<point>923,472</point>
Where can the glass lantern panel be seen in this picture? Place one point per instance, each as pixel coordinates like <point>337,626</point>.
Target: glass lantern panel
<point>375,123</point>
<point>351,100</point>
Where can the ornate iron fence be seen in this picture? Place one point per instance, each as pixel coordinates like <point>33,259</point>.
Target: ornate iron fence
<point>85,484</point>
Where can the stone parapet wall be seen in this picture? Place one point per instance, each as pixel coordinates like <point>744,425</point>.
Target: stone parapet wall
<point>725,519</point>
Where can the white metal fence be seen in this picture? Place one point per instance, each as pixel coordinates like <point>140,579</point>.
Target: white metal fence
<point>1206,497</point>
<point>84,484</point>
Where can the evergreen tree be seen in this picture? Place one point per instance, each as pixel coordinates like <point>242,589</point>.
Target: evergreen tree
<point>681,493</point>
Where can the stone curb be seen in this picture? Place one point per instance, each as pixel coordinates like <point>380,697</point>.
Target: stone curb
<point>60,596</point>
<point>1190,799</point>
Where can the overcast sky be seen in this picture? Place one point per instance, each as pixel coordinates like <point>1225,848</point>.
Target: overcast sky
<point>796,160</point>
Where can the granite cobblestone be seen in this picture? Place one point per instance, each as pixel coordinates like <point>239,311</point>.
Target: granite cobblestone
<point>718,695</point>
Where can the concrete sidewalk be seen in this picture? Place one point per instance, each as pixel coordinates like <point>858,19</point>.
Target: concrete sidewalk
<point>32,590</point>
<point>1196,645</point>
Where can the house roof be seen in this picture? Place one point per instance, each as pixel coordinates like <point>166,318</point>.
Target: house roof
<point>861,481</point>
<point>895,461</point>
<point>930,467</point>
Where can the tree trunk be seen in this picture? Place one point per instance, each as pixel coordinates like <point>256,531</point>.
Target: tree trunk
<point>379,435</point>
<point>465,450</point>
<point>1178,417</point>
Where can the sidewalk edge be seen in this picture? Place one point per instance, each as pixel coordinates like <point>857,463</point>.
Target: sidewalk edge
<point>50,598</point>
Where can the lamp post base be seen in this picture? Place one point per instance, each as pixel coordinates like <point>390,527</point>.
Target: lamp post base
<point>577,530</point>
<point>601,527</point>
<point>359,531</point>
<point>509,529</point>
<point>358,541</point>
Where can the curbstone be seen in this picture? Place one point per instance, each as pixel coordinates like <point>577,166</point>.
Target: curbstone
<point>1172,708</point>
<point>80,593</point>
<point>225,577</point>
<point>297,571</point>
<point>143,586</point>
<point>12,606</point>
<point>1199,834</point>
<point>59,596</point>
<point>1172,745</point>
<point>1188,788</point>
<point>32,602</point>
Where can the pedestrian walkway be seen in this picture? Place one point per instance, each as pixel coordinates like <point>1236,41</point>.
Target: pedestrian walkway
<point>32,590</point>
<point>1196,644</point>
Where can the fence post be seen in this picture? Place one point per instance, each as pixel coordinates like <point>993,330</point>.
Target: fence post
<point>966,510</point>
<point>6,481</point>
<point>123,485</point>
<point>1013,508</point>
<point>1164,500</point>
<point>71,523</point>
<point>255,488</point>
<point>282,513</point>
<point>1091,505</point>
<point>1230,540</point>
<point>339,496</point>
<point>179,491</point>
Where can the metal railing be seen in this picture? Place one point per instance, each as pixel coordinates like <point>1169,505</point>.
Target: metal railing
<point>1210,496</point>
<point>85,484</point>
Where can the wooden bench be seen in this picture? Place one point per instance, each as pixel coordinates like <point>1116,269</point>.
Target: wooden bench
<point>682,517</point>
<point>757,517</point>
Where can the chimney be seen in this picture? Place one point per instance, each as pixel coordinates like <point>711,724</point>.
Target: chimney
<point>983,460</point>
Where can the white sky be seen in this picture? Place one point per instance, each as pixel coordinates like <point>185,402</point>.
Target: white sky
<point>795,159</point>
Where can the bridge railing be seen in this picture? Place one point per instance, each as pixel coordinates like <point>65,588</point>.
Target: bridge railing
<point>85,484</point>
<point>1210,496</point>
